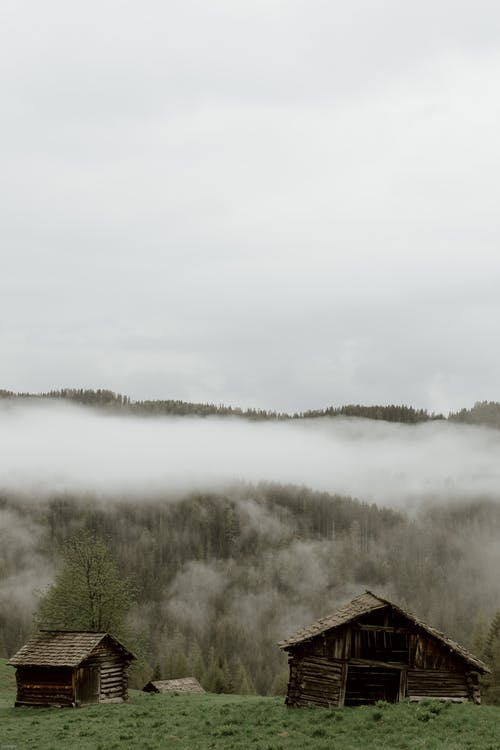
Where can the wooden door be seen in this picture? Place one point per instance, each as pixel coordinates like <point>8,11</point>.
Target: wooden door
<point>87,685</point>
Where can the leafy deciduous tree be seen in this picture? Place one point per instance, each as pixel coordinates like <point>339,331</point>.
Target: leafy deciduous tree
<point>88,593</point>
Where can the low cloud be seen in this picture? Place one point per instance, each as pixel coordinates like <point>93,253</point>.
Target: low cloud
<point>51,447</point>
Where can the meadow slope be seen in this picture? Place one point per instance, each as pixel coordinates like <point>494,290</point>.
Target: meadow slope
<point>229,722</point>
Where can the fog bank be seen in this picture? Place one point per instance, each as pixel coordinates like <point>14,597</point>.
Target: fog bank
<point>52,447</point>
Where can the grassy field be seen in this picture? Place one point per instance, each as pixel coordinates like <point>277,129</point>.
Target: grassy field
<point>226,722</point>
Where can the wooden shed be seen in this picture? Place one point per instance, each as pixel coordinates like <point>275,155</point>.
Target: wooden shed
<point>71,668</point>
<point>180,685</point>
<point>372,650</point>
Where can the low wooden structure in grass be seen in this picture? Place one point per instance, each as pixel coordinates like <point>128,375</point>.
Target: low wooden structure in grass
<point>71,668</point>
<point>372,650</point>
<point>180,685</point>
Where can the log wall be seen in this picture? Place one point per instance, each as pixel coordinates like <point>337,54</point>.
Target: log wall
<point>44,686</point>
<point>315,679</point>
<point>113,671</point>
<point>442,685</point>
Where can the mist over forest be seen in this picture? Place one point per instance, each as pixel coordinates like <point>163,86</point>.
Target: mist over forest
<point>238,531</point>
<point>50,445</point>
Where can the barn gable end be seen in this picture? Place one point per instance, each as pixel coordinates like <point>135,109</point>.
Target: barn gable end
<point>371,650</point>
<point>71,668</point>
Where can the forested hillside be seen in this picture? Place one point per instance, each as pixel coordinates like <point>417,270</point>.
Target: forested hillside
<point>116,402</point>
<point>483,412</point>
<point>221,576</point>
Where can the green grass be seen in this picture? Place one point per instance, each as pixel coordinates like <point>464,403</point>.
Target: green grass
<point>227,722</point>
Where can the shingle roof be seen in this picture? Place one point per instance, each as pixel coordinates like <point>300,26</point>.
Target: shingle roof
<point>181,685</point>
<point>62,648</point>
<point>363,605</point>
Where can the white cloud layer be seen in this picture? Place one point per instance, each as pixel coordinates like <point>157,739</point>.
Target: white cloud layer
<point>53,447</point>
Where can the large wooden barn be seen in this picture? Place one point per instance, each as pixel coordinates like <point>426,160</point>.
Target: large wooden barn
<point>71,668</point>
<point>372,650</point>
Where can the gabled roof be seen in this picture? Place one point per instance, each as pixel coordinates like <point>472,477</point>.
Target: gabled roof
<point>63,648</point>
<point>180,685</point>
<point>365,604</point>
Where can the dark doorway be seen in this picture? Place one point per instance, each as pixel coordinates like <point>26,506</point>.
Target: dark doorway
<point>370,684</point>
<point>87,687</point>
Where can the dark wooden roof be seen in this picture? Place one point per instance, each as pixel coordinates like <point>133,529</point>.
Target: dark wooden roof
<point>63,648</point>
<point>363,605</point>
<point>180,685</point>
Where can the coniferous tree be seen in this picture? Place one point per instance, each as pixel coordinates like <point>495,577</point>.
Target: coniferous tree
<point>491,654</point>
<point>280,683</point>
<point>243,683</point>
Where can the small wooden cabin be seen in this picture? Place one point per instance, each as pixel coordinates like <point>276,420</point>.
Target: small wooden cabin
<point>180,685</point>
<point>71,668</point>
<point>372,650</point>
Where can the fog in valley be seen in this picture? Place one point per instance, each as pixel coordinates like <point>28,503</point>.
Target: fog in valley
<point>51,447</point>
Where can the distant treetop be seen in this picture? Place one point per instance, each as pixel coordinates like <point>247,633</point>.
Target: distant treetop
<point>390,413</point>
<point>483,412</point>
<point>103,398</point>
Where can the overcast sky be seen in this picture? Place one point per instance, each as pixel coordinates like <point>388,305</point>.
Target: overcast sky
<point>272,203</point>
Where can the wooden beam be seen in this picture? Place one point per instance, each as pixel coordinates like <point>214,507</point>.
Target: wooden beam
<point>372,663</point>
<point>385,628</point>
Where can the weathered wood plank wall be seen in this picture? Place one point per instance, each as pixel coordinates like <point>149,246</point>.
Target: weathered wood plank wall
<point>38,686</point>
<point>315,679</point>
